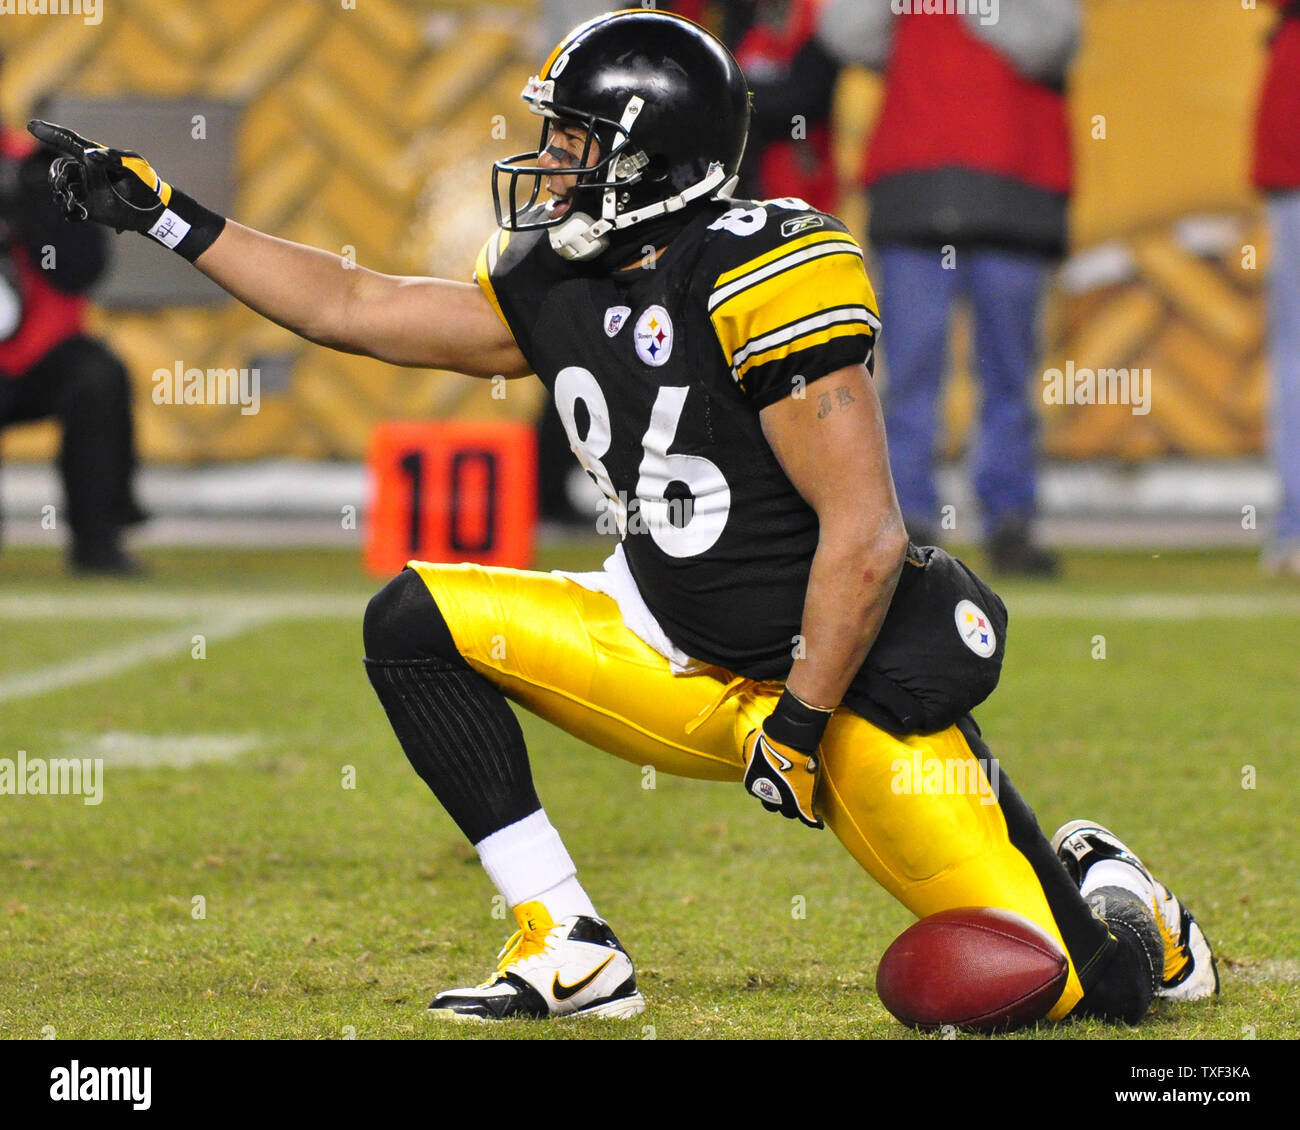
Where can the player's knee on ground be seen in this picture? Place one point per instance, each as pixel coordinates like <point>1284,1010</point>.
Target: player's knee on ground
<point>1125,986</point>
<point>403,621</point>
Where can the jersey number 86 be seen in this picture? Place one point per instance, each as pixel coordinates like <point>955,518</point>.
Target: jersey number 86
<point>699,519</point>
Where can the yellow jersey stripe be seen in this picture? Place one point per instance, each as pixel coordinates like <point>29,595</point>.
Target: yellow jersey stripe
<point>496,247</point>
<point>779,266</point>
<point>808,341</point>
<point>803,290</point>
<point>859,315</point>
<point>487,258</point>
<point>780,252</point>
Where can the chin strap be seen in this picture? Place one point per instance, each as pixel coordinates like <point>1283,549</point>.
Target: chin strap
<point>580,237</point>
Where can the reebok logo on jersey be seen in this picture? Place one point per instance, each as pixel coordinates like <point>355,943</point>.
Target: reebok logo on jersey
<point>654,336</point>
<point>615,318</point>
<point>974,628</point>
<point>562,992</point>
<point>801,223</point>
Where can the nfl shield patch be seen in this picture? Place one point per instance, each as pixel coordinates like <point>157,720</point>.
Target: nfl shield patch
<point>615,318</point>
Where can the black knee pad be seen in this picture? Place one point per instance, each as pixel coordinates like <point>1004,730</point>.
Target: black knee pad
<point>455,727</point>
<point>403,621</point>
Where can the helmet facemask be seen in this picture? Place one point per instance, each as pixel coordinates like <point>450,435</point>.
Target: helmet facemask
<point>604,196</point>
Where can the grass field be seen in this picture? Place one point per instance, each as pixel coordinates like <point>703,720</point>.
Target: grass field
<point>229,885</point>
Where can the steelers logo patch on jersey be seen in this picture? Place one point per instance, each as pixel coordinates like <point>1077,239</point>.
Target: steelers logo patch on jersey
<point>654,336</point>
<point>975,629</point>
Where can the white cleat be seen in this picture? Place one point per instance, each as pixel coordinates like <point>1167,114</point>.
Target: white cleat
<point>1095,857</point>
<point>574,967</point>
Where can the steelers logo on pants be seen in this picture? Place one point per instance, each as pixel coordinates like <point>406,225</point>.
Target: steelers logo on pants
<point>975,629</point>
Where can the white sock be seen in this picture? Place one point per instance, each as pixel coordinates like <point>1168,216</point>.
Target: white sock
<point>527,862</point>
<point>1116,873</point>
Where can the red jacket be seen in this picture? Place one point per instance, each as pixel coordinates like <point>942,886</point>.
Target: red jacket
<point>966,148</point>
<point>1277,124</point>
<point>786,166</point>
<point>49,316</point>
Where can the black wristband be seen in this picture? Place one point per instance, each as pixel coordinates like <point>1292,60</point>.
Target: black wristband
<point>186,226</point>
<point>794,724</point>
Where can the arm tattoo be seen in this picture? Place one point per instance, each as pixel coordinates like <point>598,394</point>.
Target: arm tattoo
<point>842,398</point>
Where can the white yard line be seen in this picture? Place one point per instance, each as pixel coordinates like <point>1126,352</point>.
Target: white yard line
<point>1154,606</point>
<point>224,615</point>
<point>180,605</point>
<point>1044,605</point>
<point>1285,971</point>
<point>112,661</point>
<point>122,750</point>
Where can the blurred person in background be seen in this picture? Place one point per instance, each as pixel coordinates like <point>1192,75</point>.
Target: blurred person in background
<point>969,174</point>
<point>49,367</point>
<point>792,80</point>
<point>559,16</point>
<point>1277,173</point>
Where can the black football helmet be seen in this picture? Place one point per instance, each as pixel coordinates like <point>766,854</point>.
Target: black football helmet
<point>669,108</point>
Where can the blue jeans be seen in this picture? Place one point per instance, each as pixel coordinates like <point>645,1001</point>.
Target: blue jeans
<point>1005,289</point>
<point>1284,357</point>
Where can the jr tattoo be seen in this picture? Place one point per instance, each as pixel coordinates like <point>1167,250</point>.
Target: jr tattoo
<point>837,398</point>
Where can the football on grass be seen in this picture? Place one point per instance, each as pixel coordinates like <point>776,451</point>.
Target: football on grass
<point>975,967</point>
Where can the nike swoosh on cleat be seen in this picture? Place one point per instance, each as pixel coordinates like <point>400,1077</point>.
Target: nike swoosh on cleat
<point>563,992</point>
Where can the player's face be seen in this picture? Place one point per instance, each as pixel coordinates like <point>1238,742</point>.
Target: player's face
<point>564,147</point>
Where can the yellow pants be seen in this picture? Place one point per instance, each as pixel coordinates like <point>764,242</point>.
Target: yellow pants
<point>564,653</point>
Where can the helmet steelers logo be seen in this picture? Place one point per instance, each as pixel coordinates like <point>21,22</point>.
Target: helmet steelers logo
<point>654,336</point>
<point>975,629</point>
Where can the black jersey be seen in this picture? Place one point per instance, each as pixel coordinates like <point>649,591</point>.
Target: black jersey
<point>659,373</point>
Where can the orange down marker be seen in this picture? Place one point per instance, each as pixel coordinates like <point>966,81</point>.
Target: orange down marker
<point>451,490</point>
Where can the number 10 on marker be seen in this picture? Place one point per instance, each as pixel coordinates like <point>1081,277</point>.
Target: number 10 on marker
<point>458,490</point>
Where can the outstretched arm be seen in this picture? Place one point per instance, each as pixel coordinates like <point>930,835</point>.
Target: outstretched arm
<point>425,322</point>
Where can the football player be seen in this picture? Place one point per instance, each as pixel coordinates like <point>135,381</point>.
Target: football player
<point>764,618</point>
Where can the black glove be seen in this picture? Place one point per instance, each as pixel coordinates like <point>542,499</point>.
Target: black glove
<point>781,762</point>
<point>120,189</point>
